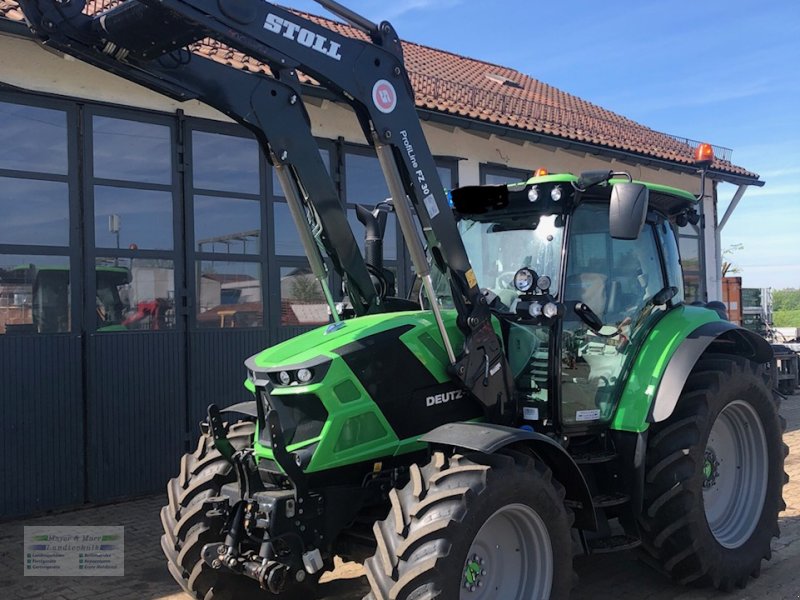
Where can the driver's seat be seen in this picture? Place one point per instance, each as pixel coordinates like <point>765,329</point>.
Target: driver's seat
<point>589,288</point>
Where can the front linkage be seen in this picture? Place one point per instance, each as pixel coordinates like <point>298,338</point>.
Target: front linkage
<point>274,525</point>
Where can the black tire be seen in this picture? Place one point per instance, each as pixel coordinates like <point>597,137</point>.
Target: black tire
<point>187,527</point>
<point>423,545</point>
<point>677,533</point>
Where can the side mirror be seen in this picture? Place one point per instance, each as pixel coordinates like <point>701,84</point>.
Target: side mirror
<point>589,178</point>
<point>628,209</point>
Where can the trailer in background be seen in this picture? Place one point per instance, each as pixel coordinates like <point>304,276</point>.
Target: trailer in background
<point>732,297</point>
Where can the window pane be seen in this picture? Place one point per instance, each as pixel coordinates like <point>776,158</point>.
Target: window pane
<point>277,190</point>
<point>446,175</point>
<point>126,218</point>
<point>504,178</point>
<point>34,139</point>
<point>135,294</point>
<point>690,253</point>
<point>227,225</point>
<point>389,236</point>
<point>34,212</point>
<point>229,294</point>
<point>34,294</point>
<point>225,162</point>
<point>287,242</point>
<point>669,246</point>
<point>131,150</point>
<point>302,298</point>
<point>692,287</point>
<point>365,182</point>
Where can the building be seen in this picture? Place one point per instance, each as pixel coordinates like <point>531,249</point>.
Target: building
<point>146,250</point>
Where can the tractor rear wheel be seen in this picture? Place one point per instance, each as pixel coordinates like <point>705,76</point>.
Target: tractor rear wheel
<point>714,477</point>
<point>476,526</point>
<point>187,527</point>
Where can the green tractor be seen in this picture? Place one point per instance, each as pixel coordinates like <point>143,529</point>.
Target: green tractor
<point>637,421</point>
<point>547,388</point>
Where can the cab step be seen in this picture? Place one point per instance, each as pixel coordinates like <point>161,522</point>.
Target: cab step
<point>609,500</point>
<point>615,543</point>
<point>593,458</point>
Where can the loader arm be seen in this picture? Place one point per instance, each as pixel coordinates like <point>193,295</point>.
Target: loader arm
<point>268,107</point>
<point>369,75</point>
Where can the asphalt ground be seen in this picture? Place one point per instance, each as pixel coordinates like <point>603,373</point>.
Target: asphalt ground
<point>601,577</point>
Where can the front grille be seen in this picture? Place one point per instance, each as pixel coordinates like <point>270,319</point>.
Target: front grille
<point>302,416</point>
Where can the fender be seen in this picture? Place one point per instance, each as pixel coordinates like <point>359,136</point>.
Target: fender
<point>727,337</point>
<point>489,438</point>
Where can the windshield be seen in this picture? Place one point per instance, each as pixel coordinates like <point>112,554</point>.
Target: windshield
<point>499,247</point>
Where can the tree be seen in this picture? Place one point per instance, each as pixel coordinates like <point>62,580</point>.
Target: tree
<point>727,258</point>
<point>786,299</point>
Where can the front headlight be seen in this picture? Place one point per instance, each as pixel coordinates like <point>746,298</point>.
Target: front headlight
<point>524,279</point>
<point>304,375</point>
<point>550,310</point>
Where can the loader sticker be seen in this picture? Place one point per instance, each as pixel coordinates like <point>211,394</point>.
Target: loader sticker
<point>384,96</point>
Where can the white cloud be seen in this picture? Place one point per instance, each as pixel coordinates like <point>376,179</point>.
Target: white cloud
<point>399,9</point>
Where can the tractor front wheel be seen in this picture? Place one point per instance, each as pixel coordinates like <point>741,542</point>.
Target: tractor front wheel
<point>474,527</point>
<point>714,479</point>
<point>188,527</point>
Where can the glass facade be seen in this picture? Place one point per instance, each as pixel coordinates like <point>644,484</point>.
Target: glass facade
<point>183,222</point>
<point>129,150</point>
<point>302,300</point>
<point>134,294</point>
<point>37,292</point>
<point>34,210</point>
<point>34,294</point>
<point>229,294</point>
<point>34,138</point>
<point>225,163</point>
<point>227,241</point>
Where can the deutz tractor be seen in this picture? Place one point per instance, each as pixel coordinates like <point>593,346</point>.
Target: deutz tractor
<point>547,388</point>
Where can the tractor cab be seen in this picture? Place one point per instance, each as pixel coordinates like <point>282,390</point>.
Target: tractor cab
<point>576,270</point>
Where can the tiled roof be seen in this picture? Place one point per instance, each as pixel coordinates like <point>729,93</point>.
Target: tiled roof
<point>456,85</point>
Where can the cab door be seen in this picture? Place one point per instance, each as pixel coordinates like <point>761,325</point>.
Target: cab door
<point>617,279</point>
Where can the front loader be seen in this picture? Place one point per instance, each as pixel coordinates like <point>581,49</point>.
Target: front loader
<point>549,387</point>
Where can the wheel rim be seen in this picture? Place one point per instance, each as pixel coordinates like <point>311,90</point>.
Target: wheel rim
<point>510,558</point>
<point>735,472</point>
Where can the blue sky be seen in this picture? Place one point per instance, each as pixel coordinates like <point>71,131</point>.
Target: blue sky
<point>727,72</point>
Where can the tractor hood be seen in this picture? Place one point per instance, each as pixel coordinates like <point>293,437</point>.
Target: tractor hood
<point>321,345</point>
